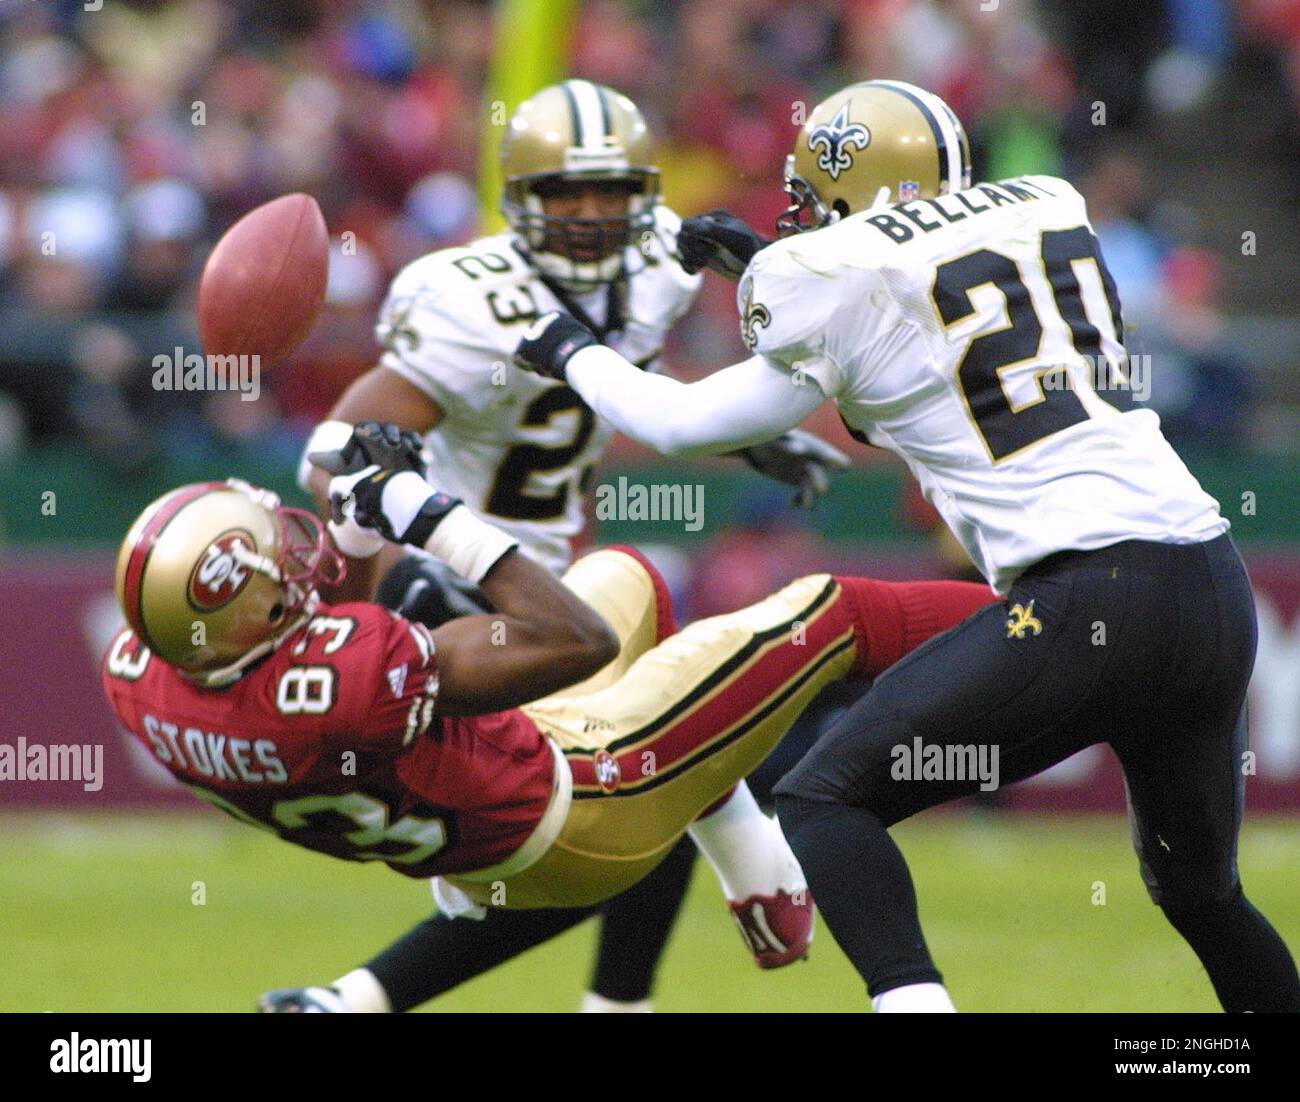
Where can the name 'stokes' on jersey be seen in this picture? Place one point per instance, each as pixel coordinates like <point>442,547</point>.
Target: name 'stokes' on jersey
<point>332,743</point>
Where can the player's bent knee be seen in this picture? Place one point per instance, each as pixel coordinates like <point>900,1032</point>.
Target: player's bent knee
<point>799,815</point>
<point>851,765</point>
<point>793,809</point>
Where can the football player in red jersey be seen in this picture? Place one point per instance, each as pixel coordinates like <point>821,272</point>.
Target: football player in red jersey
<point>476,752</point>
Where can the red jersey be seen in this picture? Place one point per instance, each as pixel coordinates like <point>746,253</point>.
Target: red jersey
<point>332,742</point>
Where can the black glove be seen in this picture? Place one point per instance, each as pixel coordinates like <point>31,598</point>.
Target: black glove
<point>399,505</point>
<point>798,459</point>
<point>374,444</point>
<point>550,342</point>
<point>720,242</point>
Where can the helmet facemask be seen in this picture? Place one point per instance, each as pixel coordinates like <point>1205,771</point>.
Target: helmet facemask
<point>580,254</point>
<point>806,210</point>
<point>308,559</point>
<point>305,561</point>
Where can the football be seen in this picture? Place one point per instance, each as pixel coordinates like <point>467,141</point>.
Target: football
<point>264,284</point>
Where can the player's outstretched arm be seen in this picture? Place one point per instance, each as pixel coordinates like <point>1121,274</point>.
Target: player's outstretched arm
<point>541,638</point>
<point>748,403</point>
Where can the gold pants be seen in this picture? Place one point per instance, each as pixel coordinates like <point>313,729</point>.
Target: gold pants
<point>666,729</point>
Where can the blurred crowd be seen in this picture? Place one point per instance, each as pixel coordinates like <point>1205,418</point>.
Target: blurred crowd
<point>132,135</point>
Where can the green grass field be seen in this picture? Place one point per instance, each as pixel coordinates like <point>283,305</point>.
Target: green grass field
<point>97,914</point>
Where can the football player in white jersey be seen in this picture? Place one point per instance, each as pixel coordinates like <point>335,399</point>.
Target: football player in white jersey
<point>976,332</point>
<point>587,234</point>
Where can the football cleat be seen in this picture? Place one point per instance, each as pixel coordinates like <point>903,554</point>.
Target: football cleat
<point>303,1000</point>
<point>777,928</point>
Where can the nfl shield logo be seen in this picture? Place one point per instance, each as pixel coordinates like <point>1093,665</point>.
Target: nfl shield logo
<point>608,773</point>
<point>908,190</point>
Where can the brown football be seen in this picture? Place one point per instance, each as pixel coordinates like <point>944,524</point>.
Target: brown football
<point>264,284</point>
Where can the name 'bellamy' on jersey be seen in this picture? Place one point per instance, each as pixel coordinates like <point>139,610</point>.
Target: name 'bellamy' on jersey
<point>967,334</point>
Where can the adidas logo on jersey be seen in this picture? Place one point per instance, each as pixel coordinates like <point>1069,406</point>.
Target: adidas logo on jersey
<point>397,680</point>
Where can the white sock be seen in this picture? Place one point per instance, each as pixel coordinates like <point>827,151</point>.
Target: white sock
<point>598,1004</point>
<point>915,998</point>
<point>363,993</point>
<point>747,849</point>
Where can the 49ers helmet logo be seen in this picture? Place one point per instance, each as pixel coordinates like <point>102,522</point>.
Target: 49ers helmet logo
<point>219,576</point>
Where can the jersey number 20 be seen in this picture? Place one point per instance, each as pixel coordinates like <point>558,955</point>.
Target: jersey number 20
<point>1004,428</point>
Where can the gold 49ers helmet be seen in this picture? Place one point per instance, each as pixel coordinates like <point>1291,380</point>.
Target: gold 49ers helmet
<point>573,132</point>
<point>214,575</point>
<point>867,139</point>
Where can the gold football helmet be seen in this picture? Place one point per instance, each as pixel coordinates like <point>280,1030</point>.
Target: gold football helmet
<point>569,133</point>
<point>867,139</point>
<point>214,575</point>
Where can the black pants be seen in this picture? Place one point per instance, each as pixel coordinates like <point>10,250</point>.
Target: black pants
<point>1146,646</point>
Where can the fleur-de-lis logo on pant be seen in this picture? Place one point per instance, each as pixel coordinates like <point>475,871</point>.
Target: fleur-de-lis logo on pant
<point>1022,620</point>
<point>835,139</point>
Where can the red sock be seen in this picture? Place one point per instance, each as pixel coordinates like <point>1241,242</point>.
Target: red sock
<point>894,618</point>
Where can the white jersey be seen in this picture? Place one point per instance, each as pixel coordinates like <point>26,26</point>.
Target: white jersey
<point>515,446</point>
<point>966,334</point>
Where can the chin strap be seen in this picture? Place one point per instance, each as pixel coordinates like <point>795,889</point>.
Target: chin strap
<point>246,556</point>
<point>613,307</point>
<point>614,300</point>
<point>883,196</point>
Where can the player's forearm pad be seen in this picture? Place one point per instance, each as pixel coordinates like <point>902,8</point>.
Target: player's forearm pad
<point>470,546</point>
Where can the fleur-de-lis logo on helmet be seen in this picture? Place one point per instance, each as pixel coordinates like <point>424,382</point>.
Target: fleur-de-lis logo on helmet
<point>836,140</point>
